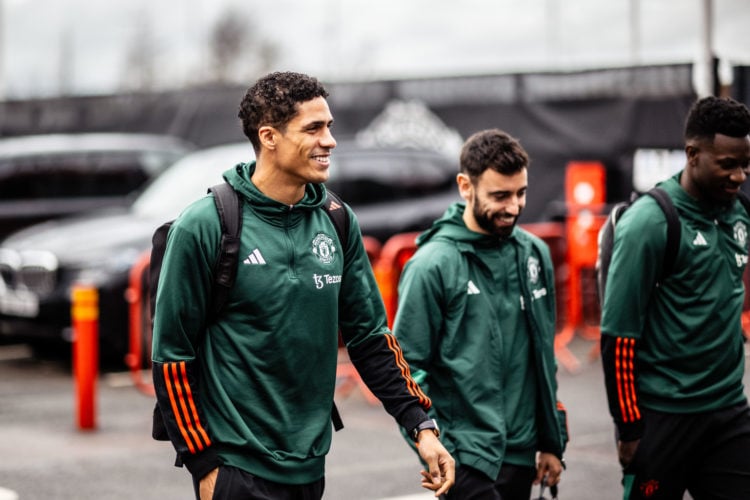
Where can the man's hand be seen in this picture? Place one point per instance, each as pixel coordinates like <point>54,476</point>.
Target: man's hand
<point>207,484</point>
<point>442,467</point>
<point>626,451</point>
<point>548,465</point>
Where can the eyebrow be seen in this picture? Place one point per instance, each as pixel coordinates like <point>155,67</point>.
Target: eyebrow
<point>317,124</point>
<point>507,191</point>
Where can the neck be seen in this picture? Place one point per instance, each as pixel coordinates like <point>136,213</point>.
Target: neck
<point>272,182</point>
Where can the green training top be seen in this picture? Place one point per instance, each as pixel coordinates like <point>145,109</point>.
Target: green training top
<point>690,353</point>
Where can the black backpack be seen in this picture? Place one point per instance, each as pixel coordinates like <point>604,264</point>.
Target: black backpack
<point>606,237</point>
<point>229,206</point>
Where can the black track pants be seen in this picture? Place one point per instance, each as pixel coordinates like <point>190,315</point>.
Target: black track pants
<point>513,483</point>
<point>236,484</point>
<point>707,454</point>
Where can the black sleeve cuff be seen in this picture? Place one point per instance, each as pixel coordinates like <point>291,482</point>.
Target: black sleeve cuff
<point>201,463</point>
<point>411,418</point>
<point>630,431</point>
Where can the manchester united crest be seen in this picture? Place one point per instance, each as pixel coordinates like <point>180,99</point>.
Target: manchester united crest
<point>649,488</point>
<point>533,269</point>
<point>324,249</point>
<point>740,232</point>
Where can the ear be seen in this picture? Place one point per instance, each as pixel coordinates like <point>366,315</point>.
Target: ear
<point>267,136</point>
<point>465,187</point>
<point>691,152</point>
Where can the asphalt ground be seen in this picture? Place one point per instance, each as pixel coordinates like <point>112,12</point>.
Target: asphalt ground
<point>44,455</point>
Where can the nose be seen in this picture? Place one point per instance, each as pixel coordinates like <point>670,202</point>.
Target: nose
<point>328,141</point>
<point>739,175</point>
<point>514,206</point>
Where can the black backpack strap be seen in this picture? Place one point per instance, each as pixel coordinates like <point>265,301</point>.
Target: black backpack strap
<point>338,424</point>
<point>229,207</point>
<point>335,209</point>
<point>674,229</point>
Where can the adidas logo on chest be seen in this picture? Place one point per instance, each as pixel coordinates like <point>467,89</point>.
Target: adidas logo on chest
<point>700,240</point>
<point>254,258</point>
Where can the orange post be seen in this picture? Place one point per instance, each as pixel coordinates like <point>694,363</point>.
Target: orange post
<point>585,195</point>
<point>85,316</point>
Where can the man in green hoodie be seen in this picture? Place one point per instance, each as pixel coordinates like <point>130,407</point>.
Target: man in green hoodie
<point>247,395</point>
<point>672,344</point>
<point>476,321</point>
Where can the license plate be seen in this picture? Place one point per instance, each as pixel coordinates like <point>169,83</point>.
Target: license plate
<point>19,303</point>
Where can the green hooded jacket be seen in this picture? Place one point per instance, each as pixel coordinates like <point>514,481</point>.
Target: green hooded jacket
<point>449,330</point>
<point>254,388</point>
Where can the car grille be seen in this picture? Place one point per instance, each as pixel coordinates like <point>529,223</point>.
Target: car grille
<point>34,271</point>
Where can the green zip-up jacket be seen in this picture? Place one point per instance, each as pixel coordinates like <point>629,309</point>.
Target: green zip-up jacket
<point>254,388</point>
<point>448,327</point>
<point>679,344</point>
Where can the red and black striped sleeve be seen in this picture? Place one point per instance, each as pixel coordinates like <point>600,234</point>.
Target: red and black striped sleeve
<point>183,415</point>
<point>620,379</point>
<point>381,364</point>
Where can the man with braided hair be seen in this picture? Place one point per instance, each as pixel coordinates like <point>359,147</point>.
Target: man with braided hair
<point>672,343</point>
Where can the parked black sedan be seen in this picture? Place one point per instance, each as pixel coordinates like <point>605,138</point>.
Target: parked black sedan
<point>391,191</point>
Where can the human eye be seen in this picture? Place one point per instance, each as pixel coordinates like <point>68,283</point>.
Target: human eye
<point>732,164</point>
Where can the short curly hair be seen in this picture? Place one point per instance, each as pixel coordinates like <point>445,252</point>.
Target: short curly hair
<point>493,149</point>
<point>717,115</point>
<point>273,101</point>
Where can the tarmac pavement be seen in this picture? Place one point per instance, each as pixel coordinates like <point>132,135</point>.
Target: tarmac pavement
<point>43,455</point>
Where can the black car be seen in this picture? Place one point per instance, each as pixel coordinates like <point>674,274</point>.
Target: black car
<point>390,190</point>
<point>56,175</point>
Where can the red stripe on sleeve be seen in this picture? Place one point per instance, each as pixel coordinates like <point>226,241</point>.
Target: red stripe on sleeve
<point>173,396</point>
<point>411,385</point>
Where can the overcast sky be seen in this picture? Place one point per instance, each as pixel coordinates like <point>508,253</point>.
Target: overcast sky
<point>356,39</point>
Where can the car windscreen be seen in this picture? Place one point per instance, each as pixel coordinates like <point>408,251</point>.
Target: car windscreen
<point>188,180</point>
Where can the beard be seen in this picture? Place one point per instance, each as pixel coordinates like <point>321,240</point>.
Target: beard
<point>490,221</point>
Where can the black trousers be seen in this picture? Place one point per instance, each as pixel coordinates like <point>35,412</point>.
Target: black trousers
<point>707,454</point>
<point>235,484</point>
<point>513,483</point>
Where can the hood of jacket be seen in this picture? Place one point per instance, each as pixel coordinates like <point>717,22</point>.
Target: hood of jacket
<point>239,178</point>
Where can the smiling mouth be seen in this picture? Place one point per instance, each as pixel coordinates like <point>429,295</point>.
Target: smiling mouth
<point>505,221</point>
<point>322,159</point>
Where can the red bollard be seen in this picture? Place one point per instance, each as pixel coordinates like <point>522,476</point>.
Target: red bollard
<point>85,316</point>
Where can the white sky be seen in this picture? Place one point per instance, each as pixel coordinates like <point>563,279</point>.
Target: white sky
<point>357,39</point>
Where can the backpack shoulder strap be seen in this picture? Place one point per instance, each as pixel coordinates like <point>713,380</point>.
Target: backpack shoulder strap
<point>229,207</point>
<point>674,229</point>
<point>335,209</point>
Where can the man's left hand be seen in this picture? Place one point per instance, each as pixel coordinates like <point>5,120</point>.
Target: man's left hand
<point>548,465</point>
<point>442,467</point>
